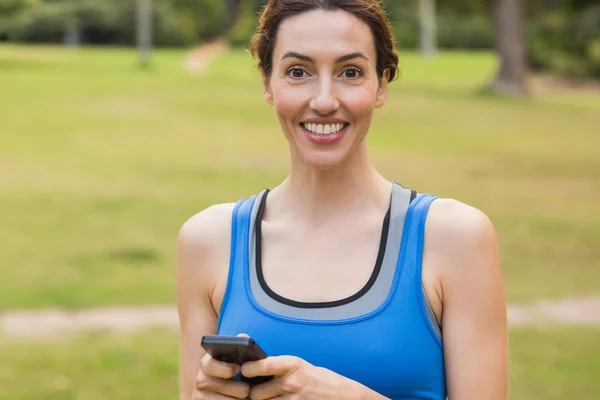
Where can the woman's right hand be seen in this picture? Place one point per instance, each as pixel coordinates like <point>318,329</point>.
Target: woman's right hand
<point>215,381</point>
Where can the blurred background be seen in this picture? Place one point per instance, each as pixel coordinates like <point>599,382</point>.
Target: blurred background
<point>119,119</point>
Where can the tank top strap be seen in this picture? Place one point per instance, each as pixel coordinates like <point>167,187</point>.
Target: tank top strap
<point>416,218</point>
<point>417,214</point>
<point>238,255</point>
<point>412,270</point>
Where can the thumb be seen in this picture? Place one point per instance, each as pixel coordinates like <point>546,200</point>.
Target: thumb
<point>243,335</point>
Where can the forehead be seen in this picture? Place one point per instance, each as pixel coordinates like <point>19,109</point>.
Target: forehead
<point>322,33</point>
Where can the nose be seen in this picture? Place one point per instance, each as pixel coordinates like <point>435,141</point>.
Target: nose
<point>325,100</point>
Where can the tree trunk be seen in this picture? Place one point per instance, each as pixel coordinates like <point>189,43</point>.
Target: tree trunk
<point>428,38</point>
<point>232,9</point>
<point>144,31</point>
<point>510,45</point>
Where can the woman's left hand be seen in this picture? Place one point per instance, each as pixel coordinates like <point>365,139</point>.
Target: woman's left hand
<point>298,379</point>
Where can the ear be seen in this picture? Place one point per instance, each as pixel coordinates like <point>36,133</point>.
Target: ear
<point>267,93</point>
<point>382,92</point>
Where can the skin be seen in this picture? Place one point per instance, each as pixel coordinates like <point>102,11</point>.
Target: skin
<point>321,231</point>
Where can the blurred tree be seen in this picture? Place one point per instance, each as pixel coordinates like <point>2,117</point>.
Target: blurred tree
<point>12,6</point>
<point>8,10</point>
<point>465,6</point>
<point>206,17</point>
<point>245,25</point>
<point>576,5</point>
<point>510,44</point>
<point>232,12</point>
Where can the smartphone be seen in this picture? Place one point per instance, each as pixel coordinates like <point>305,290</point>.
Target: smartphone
<point>236,350</point>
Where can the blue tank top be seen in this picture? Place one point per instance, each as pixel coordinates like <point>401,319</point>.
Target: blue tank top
<point>384,336</point>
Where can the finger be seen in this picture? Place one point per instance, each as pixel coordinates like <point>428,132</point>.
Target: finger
<point>271,366</point>
<point>218,369</point>
<point>229,388</point>
<point>211,396</point>
<point>243,335</point>
<point>272,389</point>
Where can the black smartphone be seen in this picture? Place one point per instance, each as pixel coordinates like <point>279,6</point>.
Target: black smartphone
<point>236,350</point>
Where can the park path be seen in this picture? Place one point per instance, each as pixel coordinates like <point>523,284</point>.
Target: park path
<point>197,59</point>
<point>57,323</point>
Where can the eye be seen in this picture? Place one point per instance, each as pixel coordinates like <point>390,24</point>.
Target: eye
<point>352,73</point>
<point>296,73</point>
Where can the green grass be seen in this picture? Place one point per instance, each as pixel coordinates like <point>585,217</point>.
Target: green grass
<point>546,364</point>
<point>94,366</point>
<point>550,364</point>
<point>100,164</point>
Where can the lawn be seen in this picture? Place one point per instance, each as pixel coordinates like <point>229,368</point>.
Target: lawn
<point>547,364</point>
<point>101,162</point>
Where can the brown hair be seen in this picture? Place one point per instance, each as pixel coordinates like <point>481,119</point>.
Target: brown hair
<point>370,11</point>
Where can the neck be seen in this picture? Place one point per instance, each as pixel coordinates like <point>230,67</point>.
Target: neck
<point>318,194</point>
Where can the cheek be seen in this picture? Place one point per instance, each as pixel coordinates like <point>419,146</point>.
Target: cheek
<point>359,101</point>
<point>290,100</point>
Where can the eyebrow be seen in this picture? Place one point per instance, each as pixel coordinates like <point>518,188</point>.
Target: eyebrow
<point>293,54</point>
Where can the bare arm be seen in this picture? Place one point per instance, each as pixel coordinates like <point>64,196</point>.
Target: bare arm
<point>202,259</point>
<point>474,306</point>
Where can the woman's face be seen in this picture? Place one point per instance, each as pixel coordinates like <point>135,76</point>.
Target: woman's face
<point>324,85</point>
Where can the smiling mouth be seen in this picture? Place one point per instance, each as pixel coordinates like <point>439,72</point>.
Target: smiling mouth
<point>324,129</point>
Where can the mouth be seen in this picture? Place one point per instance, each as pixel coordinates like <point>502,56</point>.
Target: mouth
<point>324,129</point>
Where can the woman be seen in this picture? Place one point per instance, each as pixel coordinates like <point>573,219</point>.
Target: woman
<point>355,286</point>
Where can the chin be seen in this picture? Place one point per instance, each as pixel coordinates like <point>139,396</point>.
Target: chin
<point>325,160</point>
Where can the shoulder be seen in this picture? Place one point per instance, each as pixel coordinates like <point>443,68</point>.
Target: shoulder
<point>458,222</point>
<point>206,226</point>
<point>461,238</point>
<point>203,239</point>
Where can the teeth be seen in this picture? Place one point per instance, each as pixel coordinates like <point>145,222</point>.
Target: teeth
<point>326,129</point>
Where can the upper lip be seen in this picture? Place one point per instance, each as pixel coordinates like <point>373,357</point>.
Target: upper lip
<point>324,121</point>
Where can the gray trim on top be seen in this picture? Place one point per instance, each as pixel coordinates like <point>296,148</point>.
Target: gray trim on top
<point>371,300</point>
